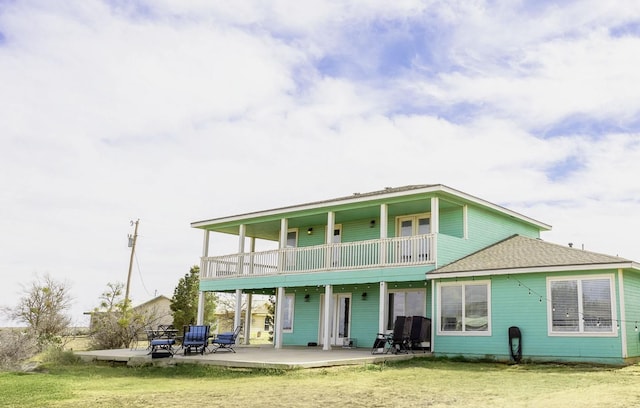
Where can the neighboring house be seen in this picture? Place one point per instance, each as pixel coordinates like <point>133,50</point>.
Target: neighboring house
<point>260,325</point>
<point>157,311</point>
<point>346,268</point>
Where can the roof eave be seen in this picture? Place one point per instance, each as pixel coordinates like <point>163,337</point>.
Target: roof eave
<point>534,269</point>
<point>371,197</point>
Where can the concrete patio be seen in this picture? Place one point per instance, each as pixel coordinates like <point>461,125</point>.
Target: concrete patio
<point>255,357</point>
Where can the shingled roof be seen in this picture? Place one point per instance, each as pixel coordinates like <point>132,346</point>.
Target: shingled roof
<point>518,252</point>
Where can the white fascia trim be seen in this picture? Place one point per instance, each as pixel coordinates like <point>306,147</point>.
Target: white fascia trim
<point>495,207</point>
<point>539,269</point>
<point>357,199</point>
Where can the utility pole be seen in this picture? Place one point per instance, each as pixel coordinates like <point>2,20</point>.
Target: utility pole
<point>132,244</point>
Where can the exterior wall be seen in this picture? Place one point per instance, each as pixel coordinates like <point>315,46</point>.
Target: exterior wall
<point>512,305</point>
<point>364,312</point>
<point>452,223</point>
<point>632,309</point>
<point>158,311</point>
<point>484,228</point>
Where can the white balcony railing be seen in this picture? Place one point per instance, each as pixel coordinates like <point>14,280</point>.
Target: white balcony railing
<point>403,251</point>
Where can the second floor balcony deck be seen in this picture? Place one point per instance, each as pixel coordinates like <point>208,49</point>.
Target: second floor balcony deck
<point>401,251</point>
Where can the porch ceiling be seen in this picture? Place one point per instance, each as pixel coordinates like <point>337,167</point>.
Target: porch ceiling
<point>268,228</point>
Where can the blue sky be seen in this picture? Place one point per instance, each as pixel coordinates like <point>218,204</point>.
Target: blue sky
<point>175,111</point>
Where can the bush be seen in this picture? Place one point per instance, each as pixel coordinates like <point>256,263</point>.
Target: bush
<point>56,355</point>
<point>16,346</point>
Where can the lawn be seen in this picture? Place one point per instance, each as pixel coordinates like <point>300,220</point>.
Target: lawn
<point>415,383</point>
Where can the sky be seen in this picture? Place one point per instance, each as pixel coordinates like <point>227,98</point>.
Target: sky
<point>175,111</point>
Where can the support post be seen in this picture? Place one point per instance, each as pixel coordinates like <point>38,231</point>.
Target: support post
<point>242,231</point>
<point>328,317</point>
<point>331,224</point>
<point>200,315</point>
<point>247,319</point>
<point>384,222</point>
<point>203,272</point>
<point>277,341</point>
<point>382,317</point>
<point>237,316</point>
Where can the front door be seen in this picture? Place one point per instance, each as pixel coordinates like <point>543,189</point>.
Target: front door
<point>340,318</point>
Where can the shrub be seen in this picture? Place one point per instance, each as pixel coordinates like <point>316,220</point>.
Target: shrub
<point>16,346</point>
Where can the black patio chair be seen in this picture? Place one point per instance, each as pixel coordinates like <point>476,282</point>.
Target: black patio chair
<point>400,339</point>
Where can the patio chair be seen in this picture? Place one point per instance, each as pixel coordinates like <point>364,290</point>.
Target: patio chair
<point>420,333</point>
<point>195,338</point>
<point>162,347</point>
<point>382,344</point>
<point>400,339</point>
<point>225,340</point>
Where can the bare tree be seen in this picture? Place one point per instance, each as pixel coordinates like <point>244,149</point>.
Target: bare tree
<point>43,307</point>
<point>115,324</point>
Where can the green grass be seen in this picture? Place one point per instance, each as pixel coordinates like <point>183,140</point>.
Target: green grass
<point>419,383</point>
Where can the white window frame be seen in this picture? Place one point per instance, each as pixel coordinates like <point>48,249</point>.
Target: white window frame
<point>581,333</point>
<point>288,298</point>
<point>464,332</point>
<point>414,222</point>
<point>394,291</point>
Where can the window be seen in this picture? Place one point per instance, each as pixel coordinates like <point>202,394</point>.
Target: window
<point>292,242</point>
<point>581,305</point>
<point>287,315</point>
<point>405,303</point>
<point>412,250</point>
<point>465,308</point>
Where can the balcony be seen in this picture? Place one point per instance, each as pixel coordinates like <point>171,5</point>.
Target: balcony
<point>401,251</point>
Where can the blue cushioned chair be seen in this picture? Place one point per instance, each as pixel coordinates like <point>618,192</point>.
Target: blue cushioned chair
<point>226,340</point>
<point>195,338</point>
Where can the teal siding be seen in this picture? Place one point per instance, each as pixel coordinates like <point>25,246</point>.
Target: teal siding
<point>484,228</point>
<point>522,301</point>
<point>451,222</point>
<point>305,319</point>
<point>364,312</point>
<point>632,310</point>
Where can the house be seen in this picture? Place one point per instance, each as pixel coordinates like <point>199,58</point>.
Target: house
<point>260,324</point>
<point>157,311</point>
<point>344,269</point>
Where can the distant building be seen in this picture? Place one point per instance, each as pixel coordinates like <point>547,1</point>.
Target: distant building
<point>157,311</point>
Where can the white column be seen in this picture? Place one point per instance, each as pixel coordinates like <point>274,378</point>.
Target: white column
<point>384,223</point>
<point>242,231</point>
<point>435,228</point>
<point>623,315</point>
<point>384,220</point>
<point>203,272</point>
<point>247,320</point>
<point>435,215</point>
<point>434,318</point>
<point>279,317</point>
<point>252,250</point>
<point>237,316</point>
<point>200,315</point>
<point>465,221</point>
<point>382,317</point>
<point>328,317</point>
<point>284,227</point>
<point>331,224</point>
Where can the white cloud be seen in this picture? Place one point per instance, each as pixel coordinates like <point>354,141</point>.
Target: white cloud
<point>177,111</point>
